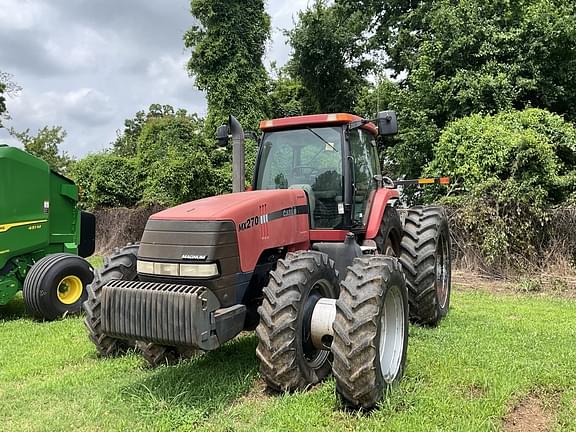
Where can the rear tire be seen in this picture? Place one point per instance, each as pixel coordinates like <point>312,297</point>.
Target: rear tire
<point>56,285</point>
<point>288,361</point>
<point>426,260</point>
<point>390,233</point>
<point>370,331</point>
<point>121,265</point>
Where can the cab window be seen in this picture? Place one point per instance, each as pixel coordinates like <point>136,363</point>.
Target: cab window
<point>365,162</point>
<point>308,159</point>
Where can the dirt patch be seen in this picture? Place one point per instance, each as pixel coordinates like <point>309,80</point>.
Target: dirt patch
<point>258,392</point>
<point>534,413</point>
<point>474,282</point>
<point>545,285</point>
<point>474,391</point>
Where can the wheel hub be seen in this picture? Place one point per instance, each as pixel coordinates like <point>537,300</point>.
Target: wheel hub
<point>391,334</point>
<point>441,271</point>
<point>313,326</point>
<point>69,290</point>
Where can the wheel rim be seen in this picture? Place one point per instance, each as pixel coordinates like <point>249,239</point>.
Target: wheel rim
<point>388,248</point>
<point>392,334</point>
<point>69,290</point>
<point>313,356</point>
<point>442,271</point>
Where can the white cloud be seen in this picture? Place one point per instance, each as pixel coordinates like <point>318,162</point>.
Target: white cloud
<point>25,14</point>
<point>87,65</point>
<point>80,48</point>
<point>283,14</point>
<point>85,105</point>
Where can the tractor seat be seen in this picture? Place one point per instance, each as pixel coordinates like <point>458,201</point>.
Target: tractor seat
<point>311,199</point>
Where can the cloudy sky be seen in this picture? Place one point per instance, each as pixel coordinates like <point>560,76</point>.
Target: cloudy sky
<point>86,65</point>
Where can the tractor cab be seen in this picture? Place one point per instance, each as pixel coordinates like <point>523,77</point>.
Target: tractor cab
<point>332,157</point>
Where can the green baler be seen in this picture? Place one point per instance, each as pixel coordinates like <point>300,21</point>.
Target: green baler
<point>43,236</point>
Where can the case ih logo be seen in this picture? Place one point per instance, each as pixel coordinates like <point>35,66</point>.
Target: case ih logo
<point>194,257</point>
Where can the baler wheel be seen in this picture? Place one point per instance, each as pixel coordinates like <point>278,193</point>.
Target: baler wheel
<point>55,286</point>
<point>121,265</point>
<point>426,260</point>
<point>370,331</point>
<point>288,359</point>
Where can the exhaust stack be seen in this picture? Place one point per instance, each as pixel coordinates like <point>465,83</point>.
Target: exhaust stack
<point>238,176</point>
<point>234,128</point>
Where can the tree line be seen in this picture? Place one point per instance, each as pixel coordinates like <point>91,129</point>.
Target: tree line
<point>485,93</point>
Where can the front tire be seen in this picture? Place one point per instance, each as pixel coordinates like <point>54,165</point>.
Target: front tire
<point>426,259</point>
<point>158,355</point>
<point>120,266</point>
<point>370,331</point>
<point>55,286</point>
<point>288,360</point>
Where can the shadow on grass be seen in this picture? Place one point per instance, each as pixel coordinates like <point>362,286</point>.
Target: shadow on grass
<point>14,310</point>
<point>201,386</point>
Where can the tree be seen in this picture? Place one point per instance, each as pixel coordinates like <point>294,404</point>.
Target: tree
<point>7,88</point>
<point>460,58</point>
<point>161,158</point>
<point>227,49</point>
<point>174,161</point>
<point>127,141</point>
<point>45,145</point>
<point>286,94</point>
<point>510,168</point>
<point>328,59</point>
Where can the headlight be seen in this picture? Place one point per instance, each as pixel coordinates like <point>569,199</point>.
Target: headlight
<point>145,267</point>
<point>166,269</point>
<point>173,269</point>
<point>198,270</point>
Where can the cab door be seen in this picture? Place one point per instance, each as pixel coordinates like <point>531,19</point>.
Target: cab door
<point>366,166</point>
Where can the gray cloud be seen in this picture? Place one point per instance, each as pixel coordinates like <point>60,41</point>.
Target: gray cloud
<point>88,65</point>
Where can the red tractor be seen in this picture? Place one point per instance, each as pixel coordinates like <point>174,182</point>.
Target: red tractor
<point>315,258</point>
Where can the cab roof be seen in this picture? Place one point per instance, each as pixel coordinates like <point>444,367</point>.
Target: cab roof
<point>314,120</point>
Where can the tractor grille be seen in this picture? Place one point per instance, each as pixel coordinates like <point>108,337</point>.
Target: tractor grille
<point>195,242</point>
<point>168,314</point>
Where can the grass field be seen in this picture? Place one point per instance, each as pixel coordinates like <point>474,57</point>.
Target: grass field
<point>487,356</point>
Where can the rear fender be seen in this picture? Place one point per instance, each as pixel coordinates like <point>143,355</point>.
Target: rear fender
<point>382,198</point>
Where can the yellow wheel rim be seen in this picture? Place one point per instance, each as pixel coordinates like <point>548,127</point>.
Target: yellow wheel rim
<point>70,290</point>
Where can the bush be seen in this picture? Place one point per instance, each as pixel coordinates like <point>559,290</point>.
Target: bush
<point>163,158</point>
<point>507,171</point>
<point>81,171</point>
<point>174,160</point>
<point>176,178</point>
<point>106,180</point>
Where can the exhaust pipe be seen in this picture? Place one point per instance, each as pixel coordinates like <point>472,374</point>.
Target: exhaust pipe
<point>238,176</point>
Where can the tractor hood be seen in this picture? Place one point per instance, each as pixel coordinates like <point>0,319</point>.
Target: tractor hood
<point>235,206</point>
<point>262,220</point>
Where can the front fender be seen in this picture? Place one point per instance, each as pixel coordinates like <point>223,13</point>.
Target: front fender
<point>382,198</point>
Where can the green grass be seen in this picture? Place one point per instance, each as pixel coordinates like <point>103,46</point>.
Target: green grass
<point>487,355</point>
<point>97,261</point>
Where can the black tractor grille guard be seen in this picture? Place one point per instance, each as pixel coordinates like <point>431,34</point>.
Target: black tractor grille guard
<point>163,313</point>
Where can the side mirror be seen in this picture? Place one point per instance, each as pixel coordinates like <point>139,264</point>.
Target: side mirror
<point>222,135</point>
<point>387,123</point>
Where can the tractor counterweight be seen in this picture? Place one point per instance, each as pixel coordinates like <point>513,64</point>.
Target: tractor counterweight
<point>168,314</point>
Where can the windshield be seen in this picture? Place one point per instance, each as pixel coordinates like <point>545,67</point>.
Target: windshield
<point>309,159</point>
